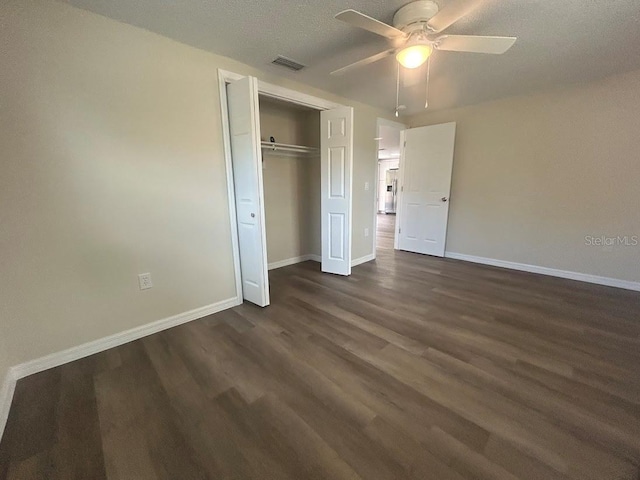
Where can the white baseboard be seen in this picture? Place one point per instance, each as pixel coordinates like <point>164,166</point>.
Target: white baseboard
<point>318,258</point>
<point>100,345</point>
<point>6,396</point>
<point>291,261</point>
<point>582,277</point>
<point>361,260</point>
<point>74,353</point>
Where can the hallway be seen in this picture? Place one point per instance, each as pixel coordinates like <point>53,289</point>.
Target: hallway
<point>385,231</point>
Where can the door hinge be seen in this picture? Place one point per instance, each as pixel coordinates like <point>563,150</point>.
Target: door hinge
<point>405,143</point>
<point>399,231</point>
<point>402,188</point>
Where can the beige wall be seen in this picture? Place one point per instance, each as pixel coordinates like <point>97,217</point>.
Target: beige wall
<point>112,165</point>
<point>290,199</point>
<point>534,175</point>
<point>286,207</point>
<point>313,225</point>
<point>5,363</point>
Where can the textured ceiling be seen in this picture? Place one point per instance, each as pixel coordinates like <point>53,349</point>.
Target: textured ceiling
<point>559,42</point>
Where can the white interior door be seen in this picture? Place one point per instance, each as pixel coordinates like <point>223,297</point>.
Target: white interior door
<point>244,129</point>
<point>426,166</point>
<point>336,144</point>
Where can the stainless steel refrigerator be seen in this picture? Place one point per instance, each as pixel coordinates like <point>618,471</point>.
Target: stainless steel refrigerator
<point>391,195</point>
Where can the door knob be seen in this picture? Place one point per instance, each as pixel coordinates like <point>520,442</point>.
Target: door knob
<point>444,199</point>
<point>253,215</point>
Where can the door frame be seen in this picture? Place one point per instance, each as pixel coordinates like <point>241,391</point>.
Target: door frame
<point>401,126</point>
<point>268,90</point>
<point>396,233</point>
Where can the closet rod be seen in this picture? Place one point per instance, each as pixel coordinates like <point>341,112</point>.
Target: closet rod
<point>288,148</point>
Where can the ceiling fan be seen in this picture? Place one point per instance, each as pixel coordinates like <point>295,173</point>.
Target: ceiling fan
<point>416,33</point>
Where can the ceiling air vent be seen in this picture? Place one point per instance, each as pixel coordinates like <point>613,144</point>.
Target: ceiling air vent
<point>288,63</point>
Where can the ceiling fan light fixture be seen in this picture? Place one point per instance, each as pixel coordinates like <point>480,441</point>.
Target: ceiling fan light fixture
<point>414,55</point>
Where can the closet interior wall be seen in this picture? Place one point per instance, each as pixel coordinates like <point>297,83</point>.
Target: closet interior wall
<point>291,182</point>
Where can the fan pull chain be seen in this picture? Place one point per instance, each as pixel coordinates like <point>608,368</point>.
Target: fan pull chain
<point>426,99</point>
<point>398,91</point>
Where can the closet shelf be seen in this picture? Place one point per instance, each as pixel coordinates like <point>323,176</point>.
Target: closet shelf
<point>278,148</point>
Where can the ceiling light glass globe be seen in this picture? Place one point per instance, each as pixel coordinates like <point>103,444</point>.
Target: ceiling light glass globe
<point>414,56</point>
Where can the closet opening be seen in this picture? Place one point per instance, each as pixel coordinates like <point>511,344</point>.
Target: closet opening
<point>289,162</point>
<point>290,148</point>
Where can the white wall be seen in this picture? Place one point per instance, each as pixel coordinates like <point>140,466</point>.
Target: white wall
<point>364,188</point>
<point>534,175</point>
<point>112,165</point>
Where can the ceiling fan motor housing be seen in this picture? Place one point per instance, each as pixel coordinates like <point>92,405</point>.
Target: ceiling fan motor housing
<point>416,32</point>
<point>414,15</point>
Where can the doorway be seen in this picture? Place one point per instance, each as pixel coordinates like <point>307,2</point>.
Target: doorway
<point>245,143</point>
<point>387,185</point>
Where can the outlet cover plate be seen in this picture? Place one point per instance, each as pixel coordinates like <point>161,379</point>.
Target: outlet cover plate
<point>144,279</point>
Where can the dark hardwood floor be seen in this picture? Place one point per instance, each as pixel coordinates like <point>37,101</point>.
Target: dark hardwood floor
<point>412,368</point>
<point>385,233</point>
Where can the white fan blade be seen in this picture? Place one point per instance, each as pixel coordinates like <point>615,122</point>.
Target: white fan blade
<point>451,13</point>
<point>474,44</point>
<point>365,61</point>
<point>361,20</point>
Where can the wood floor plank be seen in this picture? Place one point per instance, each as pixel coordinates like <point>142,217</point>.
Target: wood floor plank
<point>414,367</point>
<point>78,435</point>
<point>419,462</point>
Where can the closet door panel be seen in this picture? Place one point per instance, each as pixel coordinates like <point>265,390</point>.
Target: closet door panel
<point>336,145</point>
<point>244,129</point>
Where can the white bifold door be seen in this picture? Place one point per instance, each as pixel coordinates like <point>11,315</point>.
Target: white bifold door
<point>425,167</point>
<point>336,145</point>
<point>244,132</point>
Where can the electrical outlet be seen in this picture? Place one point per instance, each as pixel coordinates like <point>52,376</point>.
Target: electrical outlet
<point>144,279</point>
<point>366,232</point>
<point>366,186</point>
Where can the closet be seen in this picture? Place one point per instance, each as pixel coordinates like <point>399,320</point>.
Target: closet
<point>289,166</point>
<point>290,141</point>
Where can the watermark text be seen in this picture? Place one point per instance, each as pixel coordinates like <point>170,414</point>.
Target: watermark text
<point>606,241</point>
